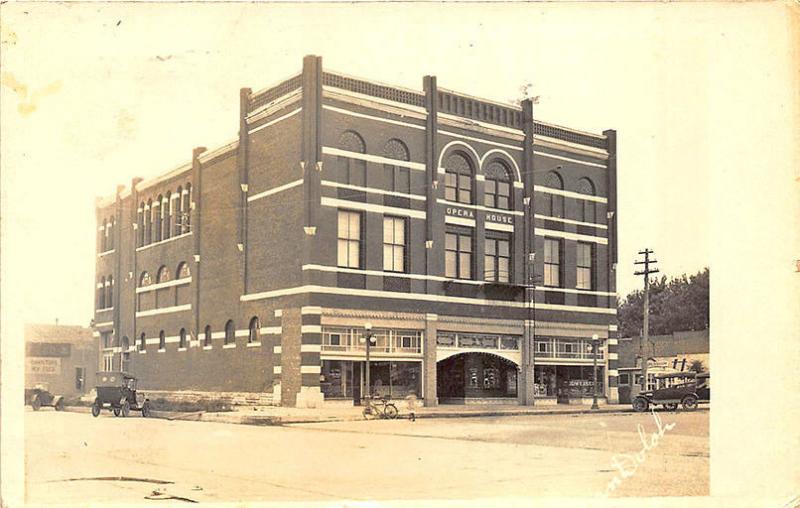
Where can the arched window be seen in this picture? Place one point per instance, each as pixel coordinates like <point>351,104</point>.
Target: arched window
<point>230,332</point>
<point>148,222</point>
<point>182,342</point>
<point>145,280</point>
<point>101,294</point>
<point>104,237</point>
<point>396,178</point>
<point>144,299</point>
<point>555,202</point>
<point>183,271</point>
<point>207,336</point>
<point>254,335</point>
<point>587,208</point>
<point>125,343</point>
<point>162,340</point>
<point>140,226</point>
<point>157,218</point>
<point>187,208</point>
<point>141,342</point>
<point>458,178</point>
<point>111,224</point>
<point>498,185</point>
<point>179,211</point>
<point>110,291</point>
<point>163,275</point>
<point>166,215</point>
<point>352,171</point>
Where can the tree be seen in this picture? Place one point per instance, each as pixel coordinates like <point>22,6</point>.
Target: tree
<point>678,304</point>
<point>697,366</point>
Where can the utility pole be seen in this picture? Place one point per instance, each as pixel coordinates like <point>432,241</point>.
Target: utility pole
<point>646,325</point>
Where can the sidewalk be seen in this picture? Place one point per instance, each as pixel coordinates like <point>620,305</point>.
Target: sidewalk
<point>269,415</point>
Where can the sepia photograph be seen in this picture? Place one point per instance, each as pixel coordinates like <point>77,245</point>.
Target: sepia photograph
<point>390,253</point>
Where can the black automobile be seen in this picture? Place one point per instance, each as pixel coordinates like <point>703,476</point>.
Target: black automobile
<point>673,389</point>
<point>116,391</point>
<point>39,396</point>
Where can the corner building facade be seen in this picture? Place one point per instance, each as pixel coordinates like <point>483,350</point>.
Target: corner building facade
<point>478,243</point>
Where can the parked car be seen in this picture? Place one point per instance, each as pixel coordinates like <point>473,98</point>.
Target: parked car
<point>673,389</point>
<point>39,396</point>
<point>116,391</point>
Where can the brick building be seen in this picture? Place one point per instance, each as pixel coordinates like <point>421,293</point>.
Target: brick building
<point>429,215</point>
<point>61,358</point>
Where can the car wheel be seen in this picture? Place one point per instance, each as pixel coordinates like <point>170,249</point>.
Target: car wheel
<point>36,404</point>
<point>690,403</point>
<point>145,409</point>
<point>116,411</point>
<point>60,405</point>
<point>672,406</point>
<point>126,409</point>
<point>390,411</point>
<point>640,405</point>
<point>95,410</point>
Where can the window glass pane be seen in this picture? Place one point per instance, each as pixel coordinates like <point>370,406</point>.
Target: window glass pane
<point>355,226</point>
<point>403,180</point>
<point>490,269</point>
<point>465,243</point>
<point>503,270</point>
<point>450,194</point>
<point>464,196</point>
<point>387,257</point>
<point>465,265</point>
<point>502,247</point>
<point>343,222</point>
<point>353,254</point>
<point>490,245</point>
<point>400,231</point>
<point>450,264</point>
<point>388,177</point>
<point>399,261</point>
<point>388,228</point>
<point>450,179</point>
<point>451,241</point>
<point>341,259</point>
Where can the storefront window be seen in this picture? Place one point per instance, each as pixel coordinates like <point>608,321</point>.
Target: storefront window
<point>336,379</point>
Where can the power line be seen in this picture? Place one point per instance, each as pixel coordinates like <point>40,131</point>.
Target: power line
<point>646,324</point>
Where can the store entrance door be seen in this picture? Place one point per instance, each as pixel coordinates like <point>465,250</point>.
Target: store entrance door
<point>356,383</point>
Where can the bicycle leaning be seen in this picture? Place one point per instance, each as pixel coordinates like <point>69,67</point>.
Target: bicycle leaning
<point>379,407</point>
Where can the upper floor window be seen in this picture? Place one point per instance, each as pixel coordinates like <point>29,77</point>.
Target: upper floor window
<point>182,339</point>
<point>110,291</point>
<point>163,275</point>
<point>552,262</point>
<point>554,202</point>
<point>183,271</point>
<point>179,211</point>
<point>352,171</point>
<point>349,239</point>
<point>162,340</point>
<point>587,208</point>
<point>254,331</point>
<point>140,225</point>
<point>458,255</point>
<point>101,293</point>
<point>111,226</point>
<point>498,186</point>
<point>585,265</point>
<point>187,208</point>
<point>394,244</point>
<point>145,280</point>
<point>148,222</point>
<point>497,259</point>
<point>104,236</point>
<point>207,336</point>
<point>230,332</point>
<point>458,179</point>
<point>396,178</point>
<point>142,341</point>
<point>166,216</point>
<point>157,218</point>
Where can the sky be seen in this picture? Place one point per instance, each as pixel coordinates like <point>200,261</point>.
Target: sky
<point>95,94</point>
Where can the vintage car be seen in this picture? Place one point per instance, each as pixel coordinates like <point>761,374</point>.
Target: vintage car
<point>116,391</point>
<point>673,389</point>
<point>39,396</point>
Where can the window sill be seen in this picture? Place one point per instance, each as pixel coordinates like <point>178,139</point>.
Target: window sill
<point>253,344</point>
<point>207,348</point>
<point>105,253</point>
<point>228,346</point>
<point>105,309</point>
<point>164,350</point>
<point>161,242</point>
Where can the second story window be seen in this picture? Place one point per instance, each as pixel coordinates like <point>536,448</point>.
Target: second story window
<point>586,207</point>
<point>552,262</point>
<point>352,171</point>
<point>349,239</point>
<point>498,186</point>
<point>497,260</point>
<point>554,202</point>
<point>584,266</point>
<point>458,255</point>
<point>458,179</point>
<point>396,178</point>
<point>394,244</point>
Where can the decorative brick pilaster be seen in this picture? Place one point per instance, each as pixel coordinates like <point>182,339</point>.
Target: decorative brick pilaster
<point>429,393</point>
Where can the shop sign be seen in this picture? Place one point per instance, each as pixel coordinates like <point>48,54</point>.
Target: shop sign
<point>455,211</point>
<point>50,349</point>
<point>499,218</point>
<point>50,366</point>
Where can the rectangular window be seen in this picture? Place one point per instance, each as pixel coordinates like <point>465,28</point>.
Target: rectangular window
<point>394,244</point>
<point>497,260</point>
<point>80,378</point>
<point>584,265</point>
<point>349,239</point>
<point>552,262</point>
<point>624,379</point>
<point>398,179</point>
<point>458,255</point>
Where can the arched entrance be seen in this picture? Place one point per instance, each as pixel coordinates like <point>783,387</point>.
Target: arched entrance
<point>476,377</point>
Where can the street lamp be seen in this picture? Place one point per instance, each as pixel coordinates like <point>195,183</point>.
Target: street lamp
<point>594,383</point>
<point>368,339</point>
